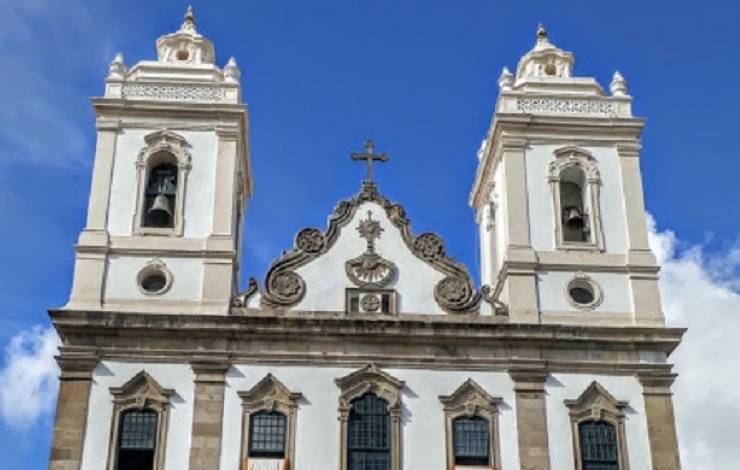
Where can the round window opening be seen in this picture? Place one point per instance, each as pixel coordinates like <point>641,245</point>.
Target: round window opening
<point>550,69</point>
<point>183,55</point>
<point>154,282</point>
<point>583,293</point>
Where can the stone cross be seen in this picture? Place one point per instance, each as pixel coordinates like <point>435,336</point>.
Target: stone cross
<point>370,156</point>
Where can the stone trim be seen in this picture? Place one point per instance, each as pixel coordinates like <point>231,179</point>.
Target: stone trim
<point>568,157</point>
<point>208,408</point>
<point>284,287</point>
<point>661,420</point>
<point>141,392</point>
<point>596,404</point>
<point>156,143</point>
<point>531,415</point>
<point>471,400</point>
<point>370,379</point>
<point>269,394</point>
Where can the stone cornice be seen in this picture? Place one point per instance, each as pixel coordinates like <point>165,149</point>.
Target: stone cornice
<point>445,341</point>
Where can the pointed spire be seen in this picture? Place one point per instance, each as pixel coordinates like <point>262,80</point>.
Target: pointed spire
<point>542,40</point>
<point>541,31</point>
<point>117,69</point>
<point>188,24</point>
<point>231,71</point>
<point>506,80</point>
<point>618,86</point>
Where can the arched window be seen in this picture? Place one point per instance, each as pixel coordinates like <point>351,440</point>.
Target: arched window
<point>599,449</point>
<point>575,183</point>
<point>160,197</point>
<point>471,440</point>
<point>137,440</point>
<point>162,169</point>
<point>267,430</point>
<point>368,446</point>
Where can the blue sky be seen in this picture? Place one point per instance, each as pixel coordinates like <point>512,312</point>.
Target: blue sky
<point>419,77</point>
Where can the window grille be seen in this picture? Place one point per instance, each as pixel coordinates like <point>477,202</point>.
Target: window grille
<point>369,434</point>
<point>598,446</point>
<point>137,440</point>
<point>267,434</point>
<point>471,440</point>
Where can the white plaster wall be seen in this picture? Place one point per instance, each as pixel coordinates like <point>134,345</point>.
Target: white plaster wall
<point>326,279</point>
<point>615,289</point>
<point>500,219</point>
<point>560,387</point>
<point>100,414</point>
<point>541,219</point>
<point>317,432</point>
<point>120,279</point>
<point>199,191</point>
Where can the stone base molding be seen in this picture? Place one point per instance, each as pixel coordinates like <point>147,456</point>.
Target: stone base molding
<point>208,412</point>
<point>661,422</point>
<point>531,417</point>
<point>71,414</point>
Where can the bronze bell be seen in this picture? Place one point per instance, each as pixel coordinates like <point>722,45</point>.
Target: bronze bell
<point>160,212</point>
<point>574,218</point>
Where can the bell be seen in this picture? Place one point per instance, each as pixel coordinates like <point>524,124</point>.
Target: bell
<point>160,212</point>
<point>574,218</point>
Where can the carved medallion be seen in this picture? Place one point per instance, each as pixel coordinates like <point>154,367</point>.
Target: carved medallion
<point>370,269</point>
<point>310,240</point>
<point>370,303</point>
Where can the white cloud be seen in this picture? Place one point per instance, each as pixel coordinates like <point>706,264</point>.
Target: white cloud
<point>697,292</point>
<point>28,380</point>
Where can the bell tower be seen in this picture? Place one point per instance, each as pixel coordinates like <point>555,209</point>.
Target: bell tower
<point>558,198</point>
<point>170,184</point>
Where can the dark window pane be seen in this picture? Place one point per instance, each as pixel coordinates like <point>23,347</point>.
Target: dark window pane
<point>471,440</point>
<point>598,446</point>
<point>137,440</point>
<point>369,434</point>
<point>267,434</point>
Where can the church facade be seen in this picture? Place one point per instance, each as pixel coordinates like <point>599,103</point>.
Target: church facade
<point>366,346</point>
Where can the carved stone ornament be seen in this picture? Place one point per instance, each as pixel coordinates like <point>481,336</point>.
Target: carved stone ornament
<point>242,298</point>
<point>455,293</point>
<point>370,269</point>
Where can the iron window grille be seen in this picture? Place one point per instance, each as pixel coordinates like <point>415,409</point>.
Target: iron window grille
<point>369,434</point>
<point>137,440</point>
<point>471,440</point>
<point>599,450</point>
<point>267,434</point>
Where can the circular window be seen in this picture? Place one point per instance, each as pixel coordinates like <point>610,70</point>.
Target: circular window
<point>582,292</point>
<point>183,54</point>
<point>550,69</point>
<point>154,279</point>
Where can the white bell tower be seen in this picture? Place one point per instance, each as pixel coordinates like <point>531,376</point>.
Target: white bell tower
<point>559,201</point>
<point>170,184</point>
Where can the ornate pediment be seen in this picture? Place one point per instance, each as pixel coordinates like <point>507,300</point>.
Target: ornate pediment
<point>142,391</point>
<point>453,292</point>
<point>596,403</point>
<point>470,400</point>
<point>269,394</point>
<point>370,379</point>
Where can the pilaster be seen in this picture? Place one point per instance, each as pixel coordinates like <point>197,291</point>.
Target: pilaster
<point>208,410</point>
<point>531,417</point>
<point>70,422</point>
<point>661,421</point>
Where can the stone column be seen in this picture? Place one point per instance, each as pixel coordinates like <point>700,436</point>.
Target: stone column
<point>661,422</point>
<point>531,418</point>
<point>68,438</point>
<point>208,412</point>
<point>520,288</point>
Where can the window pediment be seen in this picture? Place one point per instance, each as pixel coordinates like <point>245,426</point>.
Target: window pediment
<point>597,404</point>
<point>269,394</point>
<point>470,400</point>
<point>142,391</point>
<point>370,379</point>
<point>165,141</point>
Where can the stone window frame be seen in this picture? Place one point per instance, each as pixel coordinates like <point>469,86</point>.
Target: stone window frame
<point>568,157</point>
<point>156,144</point>
<point>469,400</point>
<point>370,379</point>
<point>139,393</point>
<point>597,404</point>
<point>582,278</point>
<point>270,394</point>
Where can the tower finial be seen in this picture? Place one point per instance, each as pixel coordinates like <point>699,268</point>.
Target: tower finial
<point>541,31</point>
<point>188,24</point>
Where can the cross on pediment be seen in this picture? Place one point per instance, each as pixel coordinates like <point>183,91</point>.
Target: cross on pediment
<point>370,156</point>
